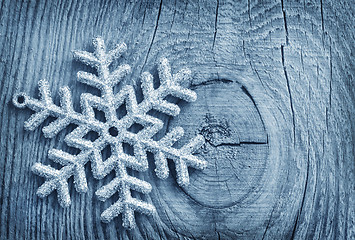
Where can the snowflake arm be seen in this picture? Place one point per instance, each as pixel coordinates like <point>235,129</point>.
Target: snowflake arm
<point>45,108</point>
<point>65,115</point>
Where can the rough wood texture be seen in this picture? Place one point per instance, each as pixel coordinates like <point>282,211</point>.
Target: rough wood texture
<point>276,104</point>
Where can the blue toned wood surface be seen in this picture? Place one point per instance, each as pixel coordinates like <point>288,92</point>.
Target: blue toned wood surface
<point>276,106</point>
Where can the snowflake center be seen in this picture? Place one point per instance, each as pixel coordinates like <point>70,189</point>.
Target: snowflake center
<point>113,131</point>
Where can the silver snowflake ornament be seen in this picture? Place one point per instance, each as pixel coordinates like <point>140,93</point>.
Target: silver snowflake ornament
<point>113,132</point>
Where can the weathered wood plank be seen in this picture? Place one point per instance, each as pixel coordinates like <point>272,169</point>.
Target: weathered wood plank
<point>276,104</point>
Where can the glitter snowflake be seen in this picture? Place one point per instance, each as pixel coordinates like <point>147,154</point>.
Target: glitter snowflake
<point>113,132</point>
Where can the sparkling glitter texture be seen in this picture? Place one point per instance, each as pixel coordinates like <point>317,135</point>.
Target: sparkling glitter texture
<point>114,132</point>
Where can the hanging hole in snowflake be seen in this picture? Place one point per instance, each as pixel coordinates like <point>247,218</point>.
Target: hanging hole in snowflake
<point>135,128</point>
<point>113,131</point>
<point>91,135</point>
<point>121,111</point>
<point>99,115</point>
<point>19,100</point>
<point>106,152</point>
<point>128,149</point>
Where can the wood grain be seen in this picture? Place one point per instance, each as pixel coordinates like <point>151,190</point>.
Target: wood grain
<point>276,105</point>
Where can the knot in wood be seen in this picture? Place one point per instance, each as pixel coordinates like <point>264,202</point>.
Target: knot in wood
<point>236,144</point>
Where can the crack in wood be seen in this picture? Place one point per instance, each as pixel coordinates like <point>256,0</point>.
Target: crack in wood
<point>245,90</point>
<point>289,93</point>
<point>154,33</point>
<point>285,21</point>
<point>215,25</point>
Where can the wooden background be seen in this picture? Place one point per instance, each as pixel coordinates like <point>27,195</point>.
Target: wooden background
<point>276,105</point>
